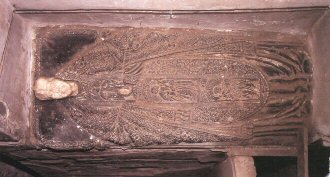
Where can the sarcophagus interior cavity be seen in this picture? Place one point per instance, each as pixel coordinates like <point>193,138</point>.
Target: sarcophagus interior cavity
<point>186,92</point>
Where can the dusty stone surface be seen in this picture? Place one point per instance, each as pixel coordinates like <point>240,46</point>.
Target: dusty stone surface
<point>125,90</point>
<point>244,166</point>
<point>53,88</point>
<point>237,166</point>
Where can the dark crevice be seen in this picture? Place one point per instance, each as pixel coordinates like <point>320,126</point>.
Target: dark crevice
<point>18,165</point>
<point>276,166</point>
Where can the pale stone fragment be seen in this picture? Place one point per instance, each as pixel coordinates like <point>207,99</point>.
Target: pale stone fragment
<point>125,91</point>
<point>53,88</point>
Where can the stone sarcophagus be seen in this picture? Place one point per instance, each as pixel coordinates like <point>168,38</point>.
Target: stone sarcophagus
<point>186,92</point>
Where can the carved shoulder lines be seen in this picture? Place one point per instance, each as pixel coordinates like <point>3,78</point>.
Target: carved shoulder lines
<point>91,61</point>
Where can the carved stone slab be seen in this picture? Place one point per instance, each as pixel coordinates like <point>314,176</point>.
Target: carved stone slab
<point>142,86</point>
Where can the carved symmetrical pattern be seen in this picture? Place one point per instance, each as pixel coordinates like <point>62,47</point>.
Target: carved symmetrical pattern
<point>186,86</point>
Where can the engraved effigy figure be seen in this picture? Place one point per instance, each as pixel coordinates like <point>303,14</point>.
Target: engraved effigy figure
<point>162,88</point>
